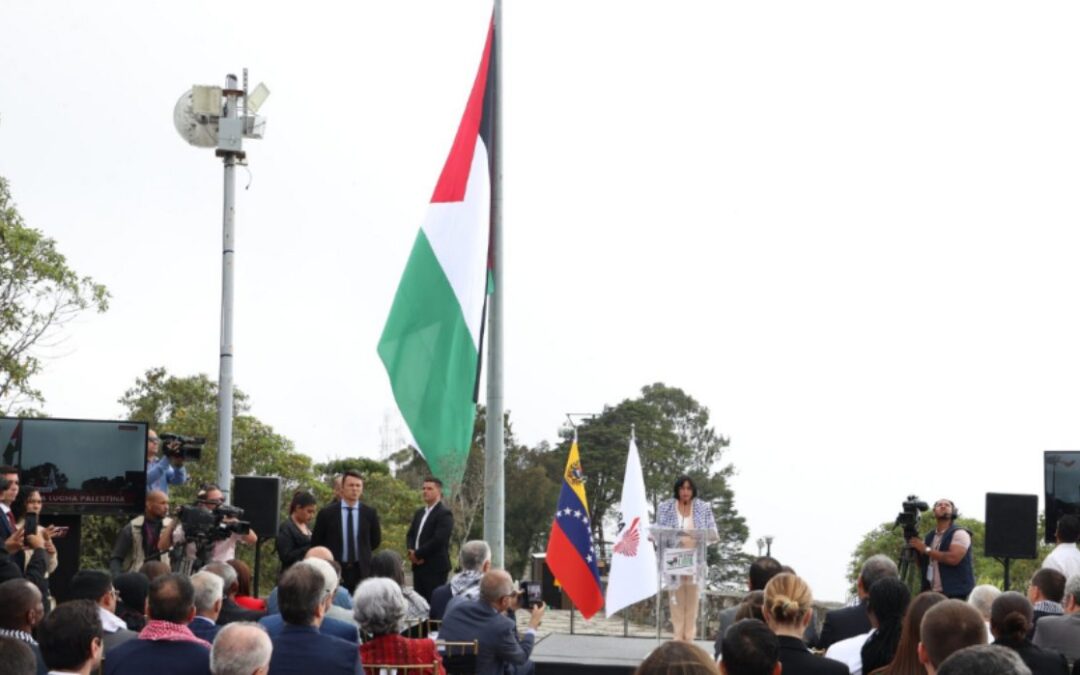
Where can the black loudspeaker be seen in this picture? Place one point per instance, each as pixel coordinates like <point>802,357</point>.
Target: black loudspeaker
<point>260,497</point>
<point>1012,525</point>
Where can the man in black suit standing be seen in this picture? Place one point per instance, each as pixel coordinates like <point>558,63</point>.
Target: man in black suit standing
<point>350,529</point>
<point>846,622</point>
<point>428,540</point>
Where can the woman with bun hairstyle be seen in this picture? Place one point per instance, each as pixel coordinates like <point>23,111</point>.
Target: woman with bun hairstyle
<point>1010,620</point>
<point>684,511</point>
<point>787,609</point>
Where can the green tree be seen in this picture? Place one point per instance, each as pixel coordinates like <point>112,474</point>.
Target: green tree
<point>39,293</point>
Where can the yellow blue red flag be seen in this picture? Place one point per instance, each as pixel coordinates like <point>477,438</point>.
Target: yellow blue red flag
<point>570,552</point>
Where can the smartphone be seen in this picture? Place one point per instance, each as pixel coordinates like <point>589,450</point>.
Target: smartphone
<point>30,527</point>
<point>531,595</point>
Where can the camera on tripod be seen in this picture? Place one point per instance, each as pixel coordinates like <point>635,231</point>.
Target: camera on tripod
<point>908,518</point>
<point>187,447</point>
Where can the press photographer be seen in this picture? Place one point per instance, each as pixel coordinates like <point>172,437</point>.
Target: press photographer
<point>168,469</point>
<point>945,554</point>
<point>207,531</point>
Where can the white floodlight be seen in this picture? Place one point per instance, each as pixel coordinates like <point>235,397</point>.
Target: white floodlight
<point>256,98</point>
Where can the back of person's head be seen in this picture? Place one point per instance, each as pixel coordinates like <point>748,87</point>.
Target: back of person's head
<point>751,607</point>
<point>326,571</point>
<point>19,599</point>
<point>300,592</point>
<point>981,597</point>
<point>1072,589</point>
<point>226,572</point>
<point>984,660</point>
<point>949,626</point>
<point>209,590</point>
<point>677,658</point>
<point>379,606</point>
<point>387,563</point>
<point>787,599</point>
<point>1011,616</point>
<point>243,577</point>
<point>152,569</point>
<point>876,568</point>
<point>474,554</point>
<point>749,648</point>
<point>761,570</point>
<point>1050,583</point>
<point>71,635</point>
<point>89,585</point>
<point>906,659</point>
<point>495,585</point>
<point>888,600</point>
<point>240,648</point>
<point>320,552</point>
<point>172,599</point>
<point>1068,529</point>
<point>16,657</point>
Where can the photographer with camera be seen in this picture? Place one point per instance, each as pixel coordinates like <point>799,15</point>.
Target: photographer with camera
<point>945,554</point>
<point>210,529</point>
<point>161,472</point>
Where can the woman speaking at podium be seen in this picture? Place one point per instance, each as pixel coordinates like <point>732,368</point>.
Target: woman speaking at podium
<point>686,512</point>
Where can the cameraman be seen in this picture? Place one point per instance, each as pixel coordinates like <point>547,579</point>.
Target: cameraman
<point>166,470</point>
<point>945,554</point>
<point>209,499</point>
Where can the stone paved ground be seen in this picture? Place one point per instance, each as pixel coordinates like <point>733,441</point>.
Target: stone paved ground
<point>558,621</point>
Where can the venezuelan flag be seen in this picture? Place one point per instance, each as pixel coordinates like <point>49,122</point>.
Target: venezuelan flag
<point>570,553</point>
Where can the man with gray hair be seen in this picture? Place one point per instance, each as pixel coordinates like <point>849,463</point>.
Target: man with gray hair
<point>342,628</point>
<point>209,593</point>
<point>1062,633</point>
<point>241,648</point>
<point>984,660</point>
<point>475,560</point>
<point>230,610</point>
<point>982,598</point>
<point>847,622</point>
<point>485,620</point>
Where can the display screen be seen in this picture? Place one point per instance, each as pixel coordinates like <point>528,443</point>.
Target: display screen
<point>84,466</point>
<point>1062,479</point>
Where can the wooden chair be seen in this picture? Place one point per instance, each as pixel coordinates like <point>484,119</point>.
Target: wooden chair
<point>396,669</point>
<point>459,658</point>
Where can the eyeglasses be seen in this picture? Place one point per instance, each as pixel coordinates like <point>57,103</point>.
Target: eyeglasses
<point>115,593</point>
<point>153,439</point>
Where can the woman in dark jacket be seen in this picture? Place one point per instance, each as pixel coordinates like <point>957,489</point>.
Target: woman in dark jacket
<point>788,605</point>
<point>888,601</point>
<point>294,536</point>
<point>1010,619</point>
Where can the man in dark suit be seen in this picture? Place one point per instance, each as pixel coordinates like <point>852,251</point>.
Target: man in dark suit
<point>428,540</point>
<point>166,646</point>
<point>209,593</point>
<point>299,648</point>
<point>9,491</point>
<point>230,610</point>
<point>485,620</point>
<point>360,521</point>
<point>70,638</point>
<point>1062,633</point>
<point>847,622</point>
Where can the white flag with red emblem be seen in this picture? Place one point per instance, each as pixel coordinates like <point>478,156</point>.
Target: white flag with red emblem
<point>633,559</point>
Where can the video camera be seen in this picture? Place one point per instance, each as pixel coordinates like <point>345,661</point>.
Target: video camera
<point>188,447</point>
<point>203,526</point>
<point>908,518</point>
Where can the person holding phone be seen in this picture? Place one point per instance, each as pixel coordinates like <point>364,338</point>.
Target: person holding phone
<point>30,523</point>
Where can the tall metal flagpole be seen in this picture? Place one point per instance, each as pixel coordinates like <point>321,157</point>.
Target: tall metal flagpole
<point>225,370</point>
<point>494,445</point>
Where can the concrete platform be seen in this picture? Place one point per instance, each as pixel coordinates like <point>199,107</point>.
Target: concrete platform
<point>581,654</point>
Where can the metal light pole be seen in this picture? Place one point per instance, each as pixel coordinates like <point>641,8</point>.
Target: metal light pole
<point>768,545</point>
<point>207,116</point>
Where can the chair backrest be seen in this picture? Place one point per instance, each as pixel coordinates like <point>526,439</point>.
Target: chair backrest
<point>397,669</point>
<point>459,658</point>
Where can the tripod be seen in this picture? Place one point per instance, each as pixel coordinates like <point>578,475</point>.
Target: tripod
<point>909,569</point>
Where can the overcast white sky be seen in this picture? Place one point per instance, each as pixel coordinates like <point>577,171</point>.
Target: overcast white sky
<point>848,228</point>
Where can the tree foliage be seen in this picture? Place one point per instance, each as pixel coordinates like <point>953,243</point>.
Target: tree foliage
<point>39,293</point>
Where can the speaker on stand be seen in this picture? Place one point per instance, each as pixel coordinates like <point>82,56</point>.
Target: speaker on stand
<point>260,497</point>
<point>1012,528</point>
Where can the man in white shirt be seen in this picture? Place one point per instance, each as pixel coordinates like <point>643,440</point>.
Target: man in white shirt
<point>9,478</point>
<point>96,586</point>
<point>1065,557</point>
<point>428,540</point>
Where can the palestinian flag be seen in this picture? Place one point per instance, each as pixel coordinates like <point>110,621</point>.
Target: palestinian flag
<point>432,340</point>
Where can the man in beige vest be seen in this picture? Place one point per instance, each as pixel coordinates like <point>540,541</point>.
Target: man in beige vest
<point>138,541</point>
